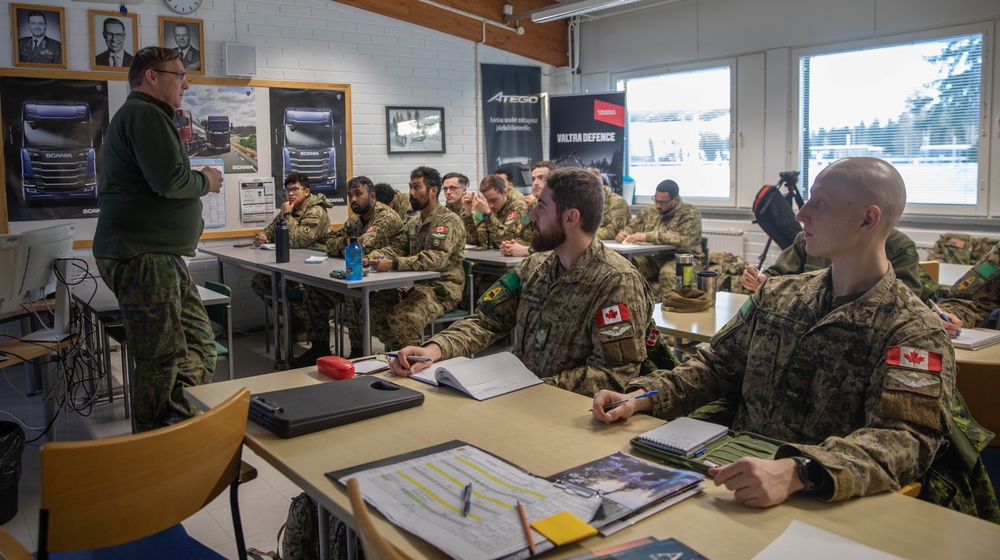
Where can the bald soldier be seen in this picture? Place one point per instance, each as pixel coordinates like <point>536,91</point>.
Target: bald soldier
<point>578,311</point>
<point>845,363</point>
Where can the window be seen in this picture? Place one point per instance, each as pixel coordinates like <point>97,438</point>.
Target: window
<point>679,128</point>
<point>915,105</point>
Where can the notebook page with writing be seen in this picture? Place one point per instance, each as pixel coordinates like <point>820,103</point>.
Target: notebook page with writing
<point>974,339</point>
<point>684,436</point>
<point>488,376</point>
<point>427,375</point>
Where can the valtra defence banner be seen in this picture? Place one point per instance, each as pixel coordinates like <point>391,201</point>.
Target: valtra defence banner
<point>589,131</point>
<point>512,119</point>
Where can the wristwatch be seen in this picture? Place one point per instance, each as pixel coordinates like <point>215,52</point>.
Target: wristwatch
<point>531,250</point>
<point>810,473</point>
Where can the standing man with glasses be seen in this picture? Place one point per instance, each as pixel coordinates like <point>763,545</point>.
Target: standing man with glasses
<point>150,219</point>
<point>114,36</point>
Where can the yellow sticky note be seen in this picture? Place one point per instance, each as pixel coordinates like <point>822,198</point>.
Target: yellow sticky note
<point>563,528</point>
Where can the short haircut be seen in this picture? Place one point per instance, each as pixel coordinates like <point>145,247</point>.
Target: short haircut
<point>543,163</point>
<point>361,181</point>
<point>34,13</point>
<point>492,183</point>
<point>184,25</point>
<point>146,58</point>
<point>462,179</point>
<point>297,177</point>
<point>430,176</point>
<point>573,187</point>
<point>384,193</point>
<point>112,21</point>
<point>502,171</point>
<point>670,187</point>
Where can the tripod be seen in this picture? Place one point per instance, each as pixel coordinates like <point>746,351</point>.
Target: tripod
<point>789,180</point>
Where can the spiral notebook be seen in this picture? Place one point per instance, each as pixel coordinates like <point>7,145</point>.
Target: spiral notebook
<point>684,436</point>
<point>974,339</point>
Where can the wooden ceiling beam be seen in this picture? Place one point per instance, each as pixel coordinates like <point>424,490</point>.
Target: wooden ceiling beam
<point>545,42</point>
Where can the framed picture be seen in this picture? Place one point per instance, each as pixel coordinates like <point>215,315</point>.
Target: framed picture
<point>39,36</point>
<point>187,36</point>
<point>114,38</point>
<point>414,130</point>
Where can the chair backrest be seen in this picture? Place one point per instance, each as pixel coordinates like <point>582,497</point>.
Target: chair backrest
<point>470,286</point>
<point>108,492</point>
<point>217,313</point>
<point>979,385</point>
<point>372,542</point>
<point>704,251</point>
<point>932,268</point>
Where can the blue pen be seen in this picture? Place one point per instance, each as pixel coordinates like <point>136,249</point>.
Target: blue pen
<point>467,499</point>
<point>700,453</point>
<point>609,406</point>
<point>940,312</point>
<point>409,358</point>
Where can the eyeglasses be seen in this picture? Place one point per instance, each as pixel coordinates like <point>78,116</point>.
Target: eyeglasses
<point>181,74</point>
<point>293,190</point>
<point>118,36</point>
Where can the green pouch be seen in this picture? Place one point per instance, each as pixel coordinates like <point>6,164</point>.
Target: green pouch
<point>341,274</point>
<point>728,449</point>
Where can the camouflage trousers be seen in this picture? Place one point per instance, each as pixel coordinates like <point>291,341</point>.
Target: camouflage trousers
<point>261,285</point>
<point>317,304</point>
<point>168,334</point>
<point>398,316</point>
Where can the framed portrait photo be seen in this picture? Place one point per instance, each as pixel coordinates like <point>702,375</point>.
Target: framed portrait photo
<point>114,39</point>
<point>187,36</point>
<point>39,34</point>
<point>416,130</point>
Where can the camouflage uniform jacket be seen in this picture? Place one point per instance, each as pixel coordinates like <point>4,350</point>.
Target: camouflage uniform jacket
<point>402,203</point>
<point>501,226</point>
<point>457,208</point>
<point>435,242</point>
<point>680,226</point>
<point>307,225</point>
<point>372,233</point>
<point>899,249</point>
<point>977,294</point>
<point>864,388</point>
<point>582,330</point>
<point>615,217</point>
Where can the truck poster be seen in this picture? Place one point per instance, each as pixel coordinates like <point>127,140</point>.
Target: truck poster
<point>220,122</point>
<point>310,137</point>
<point>53,133</point>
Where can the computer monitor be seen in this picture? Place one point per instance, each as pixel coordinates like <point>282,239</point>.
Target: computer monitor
<point>11,271</point>
<point>43,250</point>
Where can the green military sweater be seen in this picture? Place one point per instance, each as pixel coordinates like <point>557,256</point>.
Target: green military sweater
<point>150,200</point>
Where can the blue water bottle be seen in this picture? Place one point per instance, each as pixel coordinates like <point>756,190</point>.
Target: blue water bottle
<point>281,241</point>
<point>353,255</point>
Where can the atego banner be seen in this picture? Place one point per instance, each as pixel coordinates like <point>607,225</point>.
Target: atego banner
<point>589,131</point>
<point>512,119</point>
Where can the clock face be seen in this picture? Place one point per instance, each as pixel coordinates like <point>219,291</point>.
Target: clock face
<point>183,6</point>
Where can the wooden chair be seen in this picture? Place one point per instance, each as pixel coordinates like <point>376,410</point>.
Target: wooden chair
<point>125,497</point>
<point>372,542</point>
<point>932,268</point>
<point>11,549</point>
<point>912,489</point>
<point>979,384</point>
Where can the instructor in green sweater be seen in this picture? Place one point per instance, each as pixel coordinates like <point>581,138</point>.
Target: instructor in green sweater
<point>150,218</point>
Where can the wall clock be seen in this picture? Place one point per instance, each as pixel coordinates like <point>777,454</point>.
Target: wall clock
<point>183,7</point>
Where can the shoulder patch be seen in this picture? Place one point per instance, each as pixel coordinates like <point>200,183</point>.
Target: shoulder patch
<point>654,335</point>
<point>441,229</point>
<point>511,216</point>
<point>920,382</point>
<point>613,314</point>
<point>525,219</point>
<point>913,358</point>
<point>370,229</point>
<point>987,270</point>
<point>510,281</point>
<point>956,242</point>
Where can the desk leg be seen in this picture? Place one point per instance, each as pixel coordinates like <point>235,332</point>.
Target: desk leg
<point>275,302</point>
<point>286,314</point>
<point>324,532</point>
<point>352,543</point>
<point>52,390</point>
<point>222,274</point>
<point>366,327</point>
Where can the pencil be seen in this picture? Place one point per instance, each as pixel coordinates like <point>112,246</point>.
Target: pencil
<point>527,527</point>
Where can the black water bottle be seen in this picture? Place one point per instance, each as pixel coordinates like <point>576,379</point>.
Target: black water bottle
<point>281,244</point>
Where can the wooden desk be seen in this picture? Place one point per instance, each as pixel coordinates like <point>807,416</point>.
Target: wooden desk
<point>546,430</point>
<point>703,325</point>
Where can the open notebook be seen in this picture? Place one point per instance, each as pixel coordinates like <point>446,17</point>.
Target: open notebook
<point>481,378</point>
<point>974,339</point>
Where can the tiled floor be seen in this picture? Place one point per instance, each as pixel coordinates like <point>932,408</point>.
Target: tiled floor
<point>263,502</point>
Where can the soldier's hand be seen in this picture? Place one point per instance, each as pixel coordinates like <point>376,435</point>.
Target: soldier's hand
<point>759,482</point>
<point>954,327</point>
<point>214,179</point>
<point>259,240</point>
<point>620,237</point>
<point>515,249</point>
<point>636,237</point>
<point>382,264</point>
<point>467,200</point>
<point>403,365</point>
<point>605,397</point>
<point>752,278</point>
<point>481,205</point>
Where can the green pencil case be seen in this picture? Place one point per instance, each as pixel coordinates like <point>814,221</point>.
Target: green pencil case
<point>728,449</point>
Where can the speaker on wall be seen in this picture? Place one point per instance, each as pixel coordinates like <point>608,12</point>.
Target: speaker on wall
<point>239,60</point>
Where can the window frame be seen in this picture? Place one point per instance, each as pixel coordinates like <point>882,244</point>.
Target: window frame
<point>652,72</point>
<point>981,208</point>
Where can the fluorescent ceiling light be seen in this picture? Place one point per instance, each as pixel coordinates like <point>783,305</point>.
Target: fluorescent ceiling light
<point>570,9</point>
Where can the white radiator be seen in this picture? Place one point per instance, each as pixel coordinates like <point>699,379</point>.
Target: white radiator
<point>724,241</point>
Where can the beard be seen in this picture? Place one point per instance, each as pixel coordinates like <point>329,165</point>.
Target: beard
<point>357,208</point>
<point>416,204</point>
<point>547,240</point>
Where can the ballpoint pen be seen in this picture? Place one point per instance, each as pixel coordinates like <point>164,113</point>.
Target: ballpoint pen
<point>940,312</point>
<point>609,406</point>
<point>409,358</point>
<point>467,500</point>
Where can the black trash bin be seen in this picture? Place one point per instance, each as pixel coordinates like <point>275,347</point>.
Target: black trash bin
<point>11,450</point>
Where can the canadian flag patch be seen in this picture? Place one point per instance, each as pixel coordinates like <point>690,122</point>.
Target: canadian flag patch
<point>654,334</point>
<point>441,229</point>
<point>511,216</point>
<point>913,358</point>
<point>371,229</point>
<point>613,314</point>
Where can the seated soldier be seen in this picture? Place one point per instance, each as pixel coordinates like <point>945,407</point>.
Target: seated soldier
<point>521,247</point>
<point>491,214</point>
<point>578,311</point>
<point>845,364</point>
<point>670,221</point>
<point>394,199</point>
<point>977,294</point>
<point>616,214</point>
